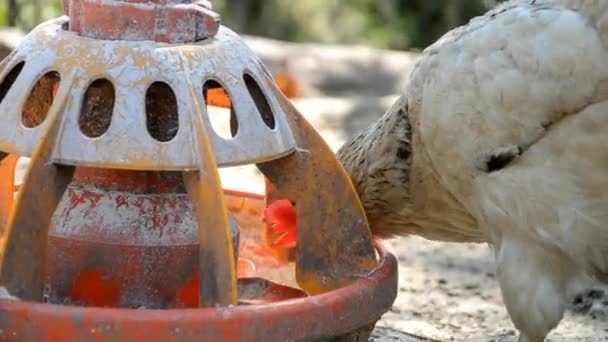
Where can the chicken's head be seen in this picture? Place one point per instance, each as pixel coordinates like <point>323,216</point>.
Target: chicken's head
<point>378,161</point>
<point>398,188</point>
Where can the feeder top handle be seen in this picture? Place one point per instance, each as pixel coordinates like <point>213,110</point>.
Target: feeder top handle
<point>164,21</point>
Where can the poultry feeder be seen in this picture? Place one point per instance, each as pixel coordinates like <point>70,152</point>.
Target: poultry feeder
<point>121,230</point>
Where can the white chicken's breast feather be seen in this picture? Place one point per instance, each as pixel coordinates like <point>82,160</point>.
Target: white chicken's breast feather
<point>529,76</point>
<point>509,138</point>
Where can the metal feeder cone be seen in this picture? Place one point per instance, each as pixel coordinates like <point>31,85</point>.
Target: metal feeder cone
<point>121,230</point>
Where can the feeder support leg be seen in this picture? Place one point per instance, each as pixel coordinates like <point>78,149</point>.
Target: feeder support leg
<point>334,242</point>
<point>23,262</point>
<point>218,284</point>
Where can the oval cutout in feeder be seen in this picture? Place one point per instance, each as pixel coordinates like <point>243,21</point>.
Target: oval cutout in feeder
<point>9,79</point>
<point>261,103</point>
<point>40,99</point>
<point>97,108</point>
<point>220,110</point>
<point>162,116</point>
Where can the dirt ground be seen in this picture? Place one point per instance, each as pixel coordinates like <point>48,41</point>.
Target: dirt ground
<point>447,292</point>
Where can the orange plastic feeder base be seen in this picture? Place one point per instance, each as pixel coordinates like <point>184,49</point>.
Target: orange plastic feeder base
<point>331,314</point>
<point>271,306</point>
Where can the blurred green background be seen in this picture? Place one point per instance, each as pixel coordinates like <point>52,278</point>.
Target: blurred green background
<point>393,24</point>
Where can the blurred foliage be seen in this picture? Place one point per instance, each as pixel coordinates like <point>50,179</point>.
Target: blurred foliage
<point>29,13</point>
<point>395,24</point>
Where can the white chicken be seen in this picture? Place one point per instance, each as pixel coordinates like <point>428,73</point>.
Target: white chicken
<point>501,136</point>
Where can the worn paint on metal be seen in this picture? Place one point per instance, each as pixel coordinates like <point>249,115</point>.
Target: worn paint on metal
<point>117,213</point>
<point>161,21</point>
<point>124,239</point>
<point>217,264</point>
<point>132,67</point>
<point>334,243</point>
<point>334,313</point>
<point>335,257</point>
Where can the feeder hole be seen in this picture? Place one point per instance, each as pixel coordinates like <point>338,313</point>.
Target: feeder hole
<point>19,173</point>
<point>97,107</point>
<point>220,110</point>
<point>40,99</point>
<point>232,178</point>
<point>260,100</point>
<point>9,79</point>
<point>8,166</point>
<point>162,119</point>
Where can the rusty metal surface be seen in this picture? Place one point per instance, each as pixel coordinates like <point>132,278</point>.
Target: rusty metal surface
<point>66,99</point>
<point>23,259</point>
<point>217,264</point>
<point>158,20</point>
<point>329,314</point>
<point>334,243</point>
<point>124,239</point>
<point>216,261</point>
<point>132,67</point>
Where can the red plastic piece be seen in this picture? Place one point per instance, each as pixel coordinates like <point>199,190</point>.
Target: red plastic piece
<point>281,216</point>
<point>95,288</point>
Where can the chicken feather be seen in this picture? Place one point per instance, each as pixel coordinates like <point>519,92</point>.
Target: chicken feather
<point>501,137</point>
